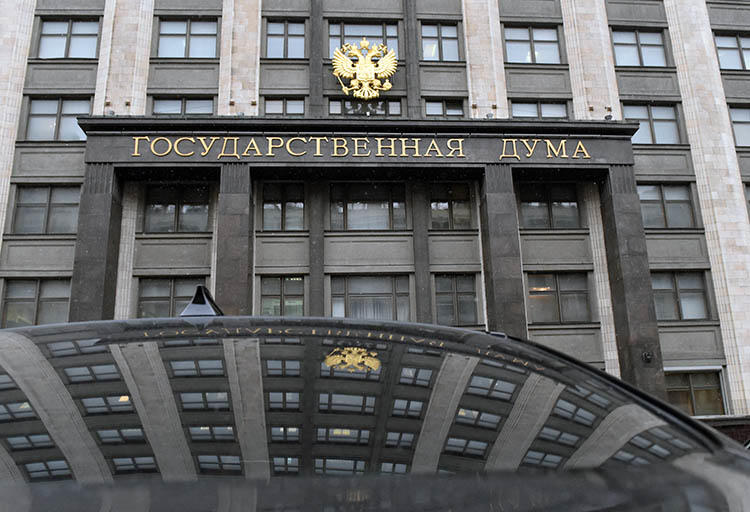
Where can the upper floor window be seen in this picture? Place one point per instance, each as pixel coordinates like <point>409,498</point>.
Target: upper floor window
<point>734,51</point>
<point>284,106</point>
<point>741,124</point>
<point>192,39</point>
<point>55,119</point>
<point>455,299</point>
<point>697,393</point>
<point>532,45</point>
<point>450,206</point>
<point>283,206</point>
<point>448,108</point>
<point>545,206</point>
<point>181,106</point>
<point>282,296</point>
<point>679,295</point>
<point>539,110</point>
<point>370,297</point>
<point>69,39</point>
<point>658,123</point>
<point>176,209</point>
<point>381,33</point>
<point>638,48</point>
<point>46,210</point>
<point>364,108</point>
<point>558,298</point>
<point>165,297</point>
<point>35,302</point>
<point>285,40</point>
<point>439,42</point>
<point>666,206</point>
<point>372,206</point>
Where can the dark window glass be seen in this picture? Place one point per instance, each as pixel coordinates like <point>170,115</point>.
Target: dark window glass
<point>696,394</point>
<point>370,297</point>
<point>372,206</point>
<point>558,298</point>
<point>35,302</point>
<point>121,435</point>
<point>353,107</point>
<point>283,206</point>
<point>282,296</point>
<point>28,442</point>
<point>666,206</point>
<point>209,400</point>
<point>134,464</point>
<point>545,206</point>
<point>165,297</point>
<point>176,209</point>
<point>207,433</point>
<point>741,124</point>
<point>219,464</point>
<point>46,210</point>
<point>450,206</point>
<point>679,295</point>
<point>47,470</point>
<point>456,299</point>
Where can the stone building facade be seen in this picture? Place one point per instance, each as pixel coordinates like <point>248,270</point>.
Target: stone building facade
<point>575,172</point>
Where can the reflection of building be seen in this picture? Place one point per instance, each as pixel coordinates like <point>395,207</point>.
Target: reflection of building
<point>321,205</point>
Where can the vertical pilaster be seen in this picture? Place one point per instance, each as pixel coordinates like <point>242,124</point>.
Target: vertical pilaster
<point>420,238</point>
<point>123,297</point>
<point>234,248</point>
<point>317,196</point>
<point>590,59</point>
<point>105,54</point>
<point>94,284</point>
<point>637,334</point>
<point>501,253</point>
<point>239,65</point>
<point>483,43</point>
<point>318,41</point>
<point>720,188</point>
<point>411,55</point>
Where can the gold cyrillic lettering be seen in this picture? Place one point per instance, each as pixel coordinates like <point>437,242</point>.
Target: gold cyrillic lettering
<point>414,146</point>
<point>317,144</point>
<point>153,146</point>
<point>207,147</point>
<point>559,152</point>
<point>136,142</point>
<point>459,147</point>
<point>530,149</point>
<point>433,147</point>
<point>272,146</point>
<point>177,146</point>
<point>515,150</point>
<point>360,143</point>
<point>580,148</point>
<point>254,146</point>
<point>391,146</point>
<point>224,147</point>
<point>289,146</point>
<point>339,143</point>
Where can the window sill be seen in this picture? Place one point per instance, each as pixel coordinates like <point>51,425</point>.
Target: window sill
<point>688,323</point>
<point>183,60</point>
<point>735,72</point>
<point>51,143</point>
<point>366,233</point>
<point>37,60</point>
<point>153,236</point>
<point>39,236</point>
<point>448,232</point>
<point>647,69</point>
<point>661,147</point>
<point>443,63</point>
<point>674,231</point>
<point>279,232</point>
<point>567,327</point>
<point>285,60</point>
<point>550,231</point>
<point>534,65</point>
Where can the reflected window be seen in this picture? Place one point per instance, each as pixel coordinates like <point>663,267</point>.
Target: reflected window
<point>107,404</point>
<point>549,206</point>
<point>68,39</point>
<point>206,433</point>
<point>372,206</point>
<point>285,434</point>
<point>697,393</point>
<point>134,464</point>
<point>558,298</point>
<point>666,206</point>
<point>6,382</point>
<point>638,48</point>
<point>191,39</point>
<point>658,123</point>
<point>283,367</point>
<point>47,469</point>
<point>393,468</point>
<point>199,368</point>
<point>571,411</point>
<point>415,376</point>
<point>339,466</point>
<point>219,464</point>
<point>354,107</point>
<point>338,373</point>
<point>282,296</point>
<point>558,436</point>
<point>99,372</point>
<point>55,119</point>
<point>546,460</point>
<point>491,387</point>
<point>46,210</point>
<point>343,435</point>
<point>399,440</point>
<point>213,401</point>
<point>285,465</point>
<point>629,458</point>
<point>285,39</point>
<point>408,408</point>
<point>439,42</point>
<point>539,110</point>
<point>679,295</point>
<point>30,441</point>
<point>370,297</point>
<point>74,348</point>
<point>733,50</point>
<point>284,106</point>
<point>339,402</point>
<point>16,411</point>
<point>376,33</point>
<point>650,446</point>
<point>741,124</point>
<point>176,209</point>
<point>466,447</point>
<point>283,400</point>
<point>450,206</point>
<point>478,418</point>
<point>183,106</point>
<point>35,302</point>
<point>456,299</point>
<point>444,107</point>
<point>121,435</point>
<point>532,45</point>
<point>283,206</point>
<point>165,297</point>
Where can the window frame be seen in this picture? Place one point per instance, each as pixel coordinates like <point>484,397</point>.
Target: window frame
<point>92,374</point>
<point>284,370</point>
<point>676,294</point>
<point>734,123</point>
<point>58,117</point>
<point>30,443</point>
<point>532,52</point>
<point>348,196</point>
<point>205,404</point>
<point>637,32</point>
<point>284,106</point>
<point>440,38</point>
<point>51,474</point>
<point>287,196</point>
<point>287,402</point>
<point>282,296</point>
<point>226,463</point>
<point>187,34</point>
<point>183,105</point>
<point>121,439</point>
<point>650,121</point>
<point>548,187</point>
<point>558,293</point>
<point>328,405</point>
<point>539,103</point>
<point>138,464</point>
<point>690,371</point>
<point>744,62</point>
<point>197,371</point>
<point>47,205</point>
<point>68,35</point>
<point>37,300</point>
<point>211,437</point>
<point>394,294</point>
<point>446,105</point>
<point>451,200</point>
<point>13,412</point>
<point>384,34</point>
<point>285,35</point>
<point>455,295</point>
<point>387,103</point>
<point>663,202</point>
<point>173,299</point>
<point>109,406</point>
<point>177,189</point>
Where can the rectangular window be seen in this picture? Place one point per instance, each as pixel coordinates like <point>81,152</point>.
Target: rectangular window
<point>538,110</point>
<point>338,373</point>
<point>206,433</point>
<point>47,469</point>
<point>285,434</point>
<point>465,447</point>
<point>571,411</point>
<point>439,42</point>
<point>741,125</point>
<point>370,297</point>
<point>679,295</point>
<point>282,296</point>
<point>121,435</point>
<point>658,123</point>
<point>55,119</point>
<point>176,209</point>
<point>28,442</point>
<point>134,464</point>
<point>35,302</point>
<point>100,372</point>
<point>380,33</point>
<point>532,45</point>
<point>547,460</point>
<point>209,400</point>
<point>343,435</point>
<point>74,348</point>
<point>372,206</point>
<point>393,468</point>
<point>339,467</point>
<point>697,394</point>
<point>399,440</point>
<point>285,465</point>
<point>455,299</point>
<point>638,48</point>
<point>477,418</point>
<point>339,402</point>
<point>447,108</point>
<point>68,39</point>
<point>199,368</point>
<point>183,106</point>
<point>16,411</point>
<point>558,298</point>
<point>285,40</point>
<point>364,108</point>
<point>407,408</point>
<point>666,206</point>
<point>165,297</point>
<point>283,400</point>
<point>450,206</point>
<point>283,206</point>
<point>46,210</point>
<point>107,404</point>
<point>415,376</point>
<point>283,367</point>
<point>191,39</point>
<point>6,382</point>
<point>734,51</point>
<point>491,387</point>
<point>284,106</point>
<point>558,436</point>
<point>219,464</point>
<point>549,206</point>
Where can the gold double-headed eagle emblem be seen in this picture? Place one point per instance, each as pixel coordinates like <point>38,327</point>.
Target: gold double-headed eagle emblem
<point>368,69</point>
<point>352,359</point>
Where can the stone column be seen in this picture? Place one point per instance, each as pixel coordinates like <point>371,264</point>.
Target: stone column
<point>316,38</point>
<point>720,188</point>
<point>485,73</point>
<point>94,284</point>
<point>420,238</point>
<point>234,244</point>
<point>317,196</point>
<point>636,331</point>
<point>411,55</point>
<point>124,293</point>
<point>239,67</point>
<point>590,59</point>
<point>501,253</point>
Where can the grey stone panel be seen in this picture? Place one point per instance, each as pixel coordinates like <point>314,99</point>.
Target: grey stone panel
<point>34,256</point>
<point>69,5</point>
<point>678,250</point>
<point>191,77</point>
<point>361,253</point>
<point>691,342</point>
<point>283,78</point>
<point>639,84</point>
<point>65,78</point>
<point>734,16</point>
<point>744,159</point>
<point>572,251</point>
<point>658,164</point>
<point>422,255</point>
<point>285,6</point>
<point>583,343</point>
<point>526,9</point>
<point>172,254</point>
<point>535,82</point>
<point>279,253</point>
<point>456,252</point>
<point>38,161</point>
<point>443,80</point>
<point>636,12</point>
<point>736,86</point>
<point>192,6</point>
<point>438,7</point>
<point>358,7</point>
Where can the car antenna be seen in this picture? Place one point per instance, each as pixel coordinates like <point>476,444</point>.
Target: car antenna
<point>202,304</point>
